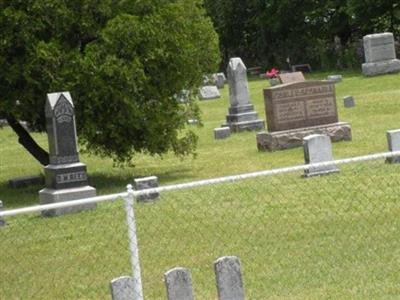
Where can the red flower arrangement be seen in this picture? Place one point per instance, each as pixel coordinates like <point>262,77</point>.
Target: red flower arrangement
<point>273,73</point>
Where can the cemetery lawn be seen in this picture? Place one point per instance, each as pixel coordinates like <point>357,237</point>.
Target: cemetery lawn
<point>294,253</point>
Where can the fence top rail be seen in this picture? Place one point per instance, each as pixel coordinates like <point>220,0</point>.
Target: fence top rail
<point>181,186</point>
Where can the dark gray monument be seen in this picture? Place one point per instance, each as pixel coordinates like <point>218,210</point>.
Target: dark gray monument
<point>65,176</point>
<point>241,112</point>
<point>147,183</point>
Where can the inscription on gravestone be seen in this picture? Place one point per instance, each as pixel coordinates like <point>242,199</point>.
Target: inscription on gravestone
<point>300,104</point>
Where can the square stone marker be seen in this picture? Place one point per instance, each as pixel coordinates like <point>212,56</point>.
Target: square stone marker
<point>291,77</point>
<point>222,133</point>
<point>147,183</point>
<point>209,92</point>
<point>348,101</point>
<point>317,149</point>
<point>393,138</point>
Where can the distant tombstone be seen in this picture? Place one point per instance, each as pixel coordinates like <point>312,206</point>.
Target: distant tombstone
<point>299,109</point>
<point>219,80</point>
<point>178,282</point>
<point>193,122</point>
<point>183,96</point>
<point>229,278</point>
<point>122,288</point>
<point>241,112</point>
<point>380,55</point>
<point>147,183</point>
<point>2,222</point>
<point>393,138</point>
<point>348,101</point>
<point>222,133</point>
<point>318,149</point>
<point>65,176</point>
<point>335,78</point>
<point>209,92</point>
<point>291,77</point>
<point>305,68</point>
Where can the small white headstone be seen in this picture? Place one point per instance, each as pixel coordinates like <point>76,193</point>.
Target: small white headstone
<point>122,288</point>
<point>348,101</point>
<point>209,92</point>
<point>178,282</point>
<point>229,278</point>
<point>318,149</point>
<point>393,138</point>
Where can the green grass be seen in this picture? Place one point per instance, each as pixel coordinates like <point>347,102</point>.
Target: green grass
<point>333,237</point>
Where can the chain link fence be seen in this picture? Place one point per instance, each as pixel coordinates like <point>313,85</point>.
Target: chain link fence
<point>332,236</point>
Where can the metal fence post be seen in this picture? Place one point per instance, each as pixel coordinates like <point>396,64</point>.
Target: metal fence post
<point>133,244</point>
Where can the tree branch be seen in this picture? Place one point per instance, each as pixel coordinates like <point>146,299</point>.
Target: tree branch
<point>25,139</point>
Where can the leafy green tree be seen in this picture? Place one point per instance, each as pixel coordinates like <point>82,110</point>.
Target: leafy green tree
<point>122,61</point>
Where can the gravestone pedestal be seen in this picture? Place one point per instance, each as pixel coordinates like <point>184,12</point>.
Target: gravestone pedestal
<point>380,55</point>
<point>242,115</point>
<point>65,176</point>
<point>286,139</point>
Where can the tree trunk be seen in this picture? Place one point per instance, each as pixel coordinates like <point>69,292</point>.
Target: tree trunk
<point>25,139</point>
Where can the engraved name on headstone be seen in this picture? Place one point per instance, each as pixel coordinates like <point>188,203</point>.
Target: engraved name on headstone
<point>300,104</point>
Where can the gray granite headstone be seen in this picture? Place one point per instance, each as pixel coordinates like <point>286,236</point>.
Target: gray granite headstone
<point>380,55</point>
<point>241,112</point>
<point>229,278</point>
<point>2,222</point>
<point>122,288</point>
<point>222,133</point>
<point>147,183</point>
<point>318,149</point>
<point>393,138</point>
<point>348,101</point>
<point>209,92</point>
<point>65,176</point>
<point>178,282</point>
<point>219,80</point>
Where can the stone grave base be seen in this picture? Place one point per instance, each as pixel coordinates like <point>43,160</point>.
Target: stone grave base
<point>241,118</point>
<point>382,67</point>
<point>280,140</point>
<point>48,196</point>
<point>319,171</point>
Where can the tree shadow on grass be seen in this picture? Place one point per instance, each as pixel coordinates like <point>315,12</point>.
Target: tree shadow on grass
<point>103,182</point>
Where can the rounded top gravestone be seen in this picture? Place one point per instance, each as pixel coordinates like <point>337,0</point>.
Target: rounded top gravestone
<point>237,80</point>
